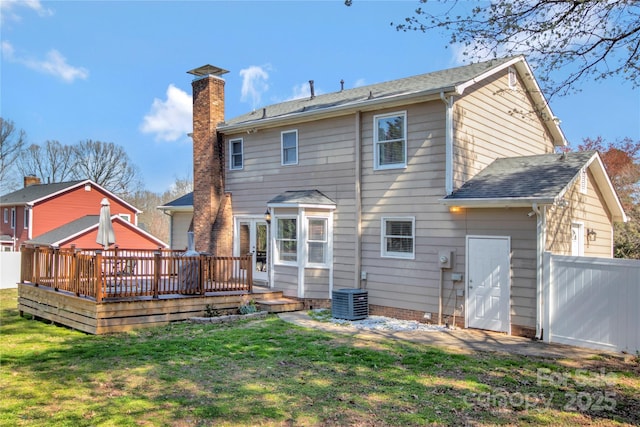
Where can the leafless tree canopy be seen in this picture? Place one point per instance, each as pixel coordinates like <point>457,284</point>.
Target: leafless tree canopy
<point>580,39</point>
<point>11,142</point>
<point>106,164</point>
<point>52,162</point>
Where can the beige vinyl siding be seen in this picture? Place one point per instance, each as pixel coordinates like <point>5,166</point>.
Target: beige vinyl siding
<point>492,121</point>
<point>180,222</point>
<point>286,280</point>
<point>409,192</point>
<point>588,209</point>
<point>316,283</point>
<point>326,163</point>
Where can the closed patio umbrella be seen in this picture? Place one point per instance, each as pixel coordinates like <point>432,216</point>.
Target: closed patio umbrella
<point>106,236</point>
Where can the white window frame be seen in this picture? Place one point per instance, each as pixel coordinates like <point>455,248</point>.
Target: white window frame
<point>325,242</point>
<point>6,215</point>
<point>384,253</point>
<point>25,218</point>
<point>377,142</point>
<point>13,218</point>
<point>282,157</point>
<point>232,155</point>
<point>126,217</point>
<point>276,223</point>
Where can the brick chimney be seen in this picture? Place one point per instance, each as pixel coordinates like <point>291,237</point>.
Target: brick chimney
<point>31,180</point>
<point>212,223</point>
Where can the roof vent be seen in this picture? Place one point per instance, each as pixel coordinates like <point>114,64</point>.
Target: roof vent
<point>313,93</point>
<point>341,85</point>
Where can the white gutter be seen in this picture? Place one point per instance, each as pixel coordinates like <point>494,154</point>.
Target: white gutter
<point>541,233</point>
<point>448,143</point>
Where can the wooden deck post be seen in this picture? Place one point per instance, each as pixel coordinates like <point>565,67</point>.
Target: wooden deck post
<point>156,273</point>
<point>250,274</point>
<point>36,257</point>
<point>74,270</point>
<point>56,267</point>
<point>98,276</point>
<point>201,271</point>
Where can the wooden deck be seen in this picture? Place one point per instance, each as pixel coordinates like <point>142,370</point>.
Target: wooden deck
<point>102,293</point>
<point>124,314</point>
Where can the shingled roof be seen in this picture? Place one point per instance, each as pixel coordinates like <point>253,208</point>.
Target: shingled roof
<point>181,203</point>
<point>35,192</point>
<point>302,197</point>
<point>435,82</point>
<point>521,181</point>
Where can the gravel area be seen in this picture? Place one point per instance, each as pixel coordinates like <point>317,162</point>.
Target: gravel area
<point>378,323</point>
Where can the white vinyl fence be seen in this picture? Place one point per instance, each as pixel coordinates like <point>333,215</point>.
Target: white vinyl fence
<point>9,269</point>
<point>592,302</point>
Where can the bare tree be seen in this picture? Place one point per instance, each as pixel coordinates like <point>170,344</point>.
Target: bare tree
<point>107,164</point>
<point>52,162</point>
<point>11,142</point>
<point>581,39</point>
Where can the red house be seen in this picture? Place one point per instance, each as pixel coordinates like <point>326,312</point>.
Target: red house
<point>66,213</point>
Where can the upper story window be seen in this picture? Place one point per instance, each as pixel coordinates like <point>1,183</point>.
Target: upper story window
<point>398,238</point>
<point>286,240</point>
<point>289,147</point>
<point>6,215</point>
<point>13,218</point>
<point>236,157</point>
<point>126,217</point>
<point>25,219</point>
<point>390,141</point>
<point>317,241</point>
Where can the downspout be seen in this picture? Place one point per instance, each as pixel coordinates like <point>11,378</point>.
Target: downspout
<point>358,178</point>
<point>448,143</point>
<point>541,233</point>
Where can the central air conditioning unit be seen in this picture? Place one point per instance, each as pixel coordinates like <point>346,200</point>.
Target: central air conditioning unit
<point>350,304</point>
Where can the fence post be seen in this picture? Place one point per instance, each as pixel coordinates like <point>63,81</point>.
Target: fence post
<point>56,267</point>
<point>201,271</point>
<point>156,273</point>
<point>98,276</point>
<point>74,273</point>
<point>36,257</point>
<point>547,290</point>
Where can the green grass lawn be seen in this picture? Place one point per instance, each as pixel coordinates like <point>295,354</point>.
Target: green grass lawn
<point>270,373</point>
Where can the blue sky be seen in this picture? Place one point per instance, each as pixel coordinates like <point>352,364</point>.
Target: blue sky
<point>115,71</point>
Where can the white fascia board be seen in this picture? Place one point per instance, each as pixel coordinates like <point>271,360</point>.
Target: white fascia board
<point>81,184</point>
<point>514,202</point>
<point>300,205</point>
<point>187,208</point>
<point>596,167</point>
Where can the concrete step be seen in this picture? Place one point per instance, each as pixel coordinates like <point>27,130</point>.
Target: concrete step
<point>279,305</point>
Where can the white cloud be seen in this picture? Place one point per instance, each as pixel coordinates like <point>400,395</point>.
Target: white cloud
<point>301,91</point>
<point>360,82</point>
<point>54,64</point>
<point>170,119</point>
<point>254,84</point>
<point>8,9</point>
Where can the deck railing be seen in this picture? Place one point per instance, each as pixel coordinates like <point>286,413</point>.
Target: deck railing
<point>125,273</point>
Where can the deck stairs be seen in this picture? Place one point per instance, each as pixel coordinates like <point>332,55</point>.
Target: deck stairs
<point>273,301</point>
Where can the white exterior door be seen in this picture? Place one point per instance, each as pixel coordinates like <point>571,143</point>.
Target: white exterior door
<point>251,238</point>
<point>577,239</point>
<point>488,282</point>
